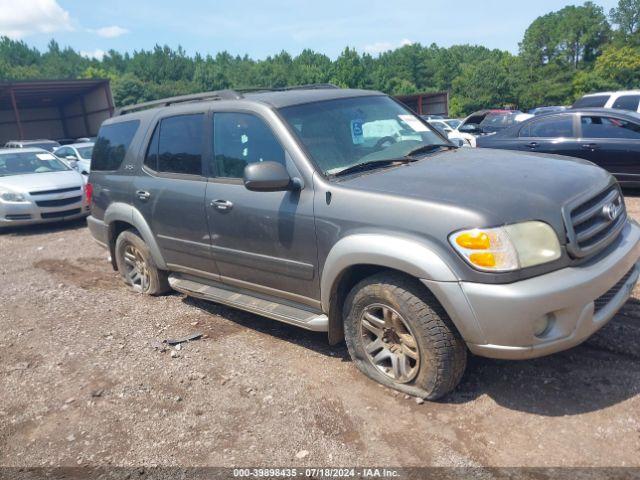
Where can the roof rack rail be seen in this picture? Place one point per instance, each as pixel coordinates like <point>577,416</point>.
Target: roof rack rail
<point>310,86</point>
<point>196,97</point>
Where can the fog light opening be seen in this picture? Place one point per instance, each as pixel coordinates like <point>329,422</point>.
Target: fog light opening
<point>543,325</point>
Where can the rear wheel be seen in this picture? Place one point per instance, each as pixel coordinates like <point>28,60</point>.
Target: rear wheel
<point>399,335</point>
<point>136,266</point>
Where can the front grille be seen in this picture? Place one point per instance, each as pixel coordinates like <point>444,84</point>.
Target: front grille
<point>60,190</point>
<point>64,213</point>
<point>604,300</point>
<point>59,202</point>
<point>18,216</point>
<point>596,222</point>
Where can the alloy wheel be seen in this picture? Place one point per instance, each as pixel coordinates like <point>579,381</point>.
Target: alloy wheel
<point>136,268</point>
<point>389,343</point>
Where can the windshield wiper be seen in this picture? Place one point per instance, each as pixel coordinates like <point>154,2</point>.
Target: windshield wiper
<point>359,167</point>
<point>428,149</point>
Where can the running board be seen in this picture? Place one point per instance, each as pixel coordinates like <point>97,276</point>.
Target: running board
<point>299,317</point>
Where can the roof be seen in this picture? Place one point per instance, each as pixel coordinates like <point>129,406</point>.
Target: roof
<point>44,93</point>
<point>78,145</point>
<point>36,140</point>
<point>287,98</point>
<point>274,98</point>
<point>4,151</point>
<point>619,92</point>
<point>600,111</point>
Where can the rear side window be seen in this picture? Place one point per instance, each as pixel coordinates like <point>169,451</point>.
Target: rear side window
<point>112,145</point>
<point>609,127</point>
<point>555,127</point>
<point>180,145</point>
<point>594,101</point>
<point>627,102</point>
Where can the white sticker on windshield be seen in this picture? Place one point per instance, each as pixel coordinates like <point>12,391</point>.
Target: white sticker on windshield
<point>357,133</point>
<point>45,156</point>
<point>414,123</point>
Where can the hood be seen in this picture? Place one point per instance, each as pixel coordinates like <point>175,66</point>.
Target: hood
<point>505,186</point>
<point>33,182</point>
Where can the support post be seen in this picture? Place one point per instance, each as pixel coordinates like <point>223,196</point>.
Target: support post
<point>84,117</point>
<point>16,113</point>
<point>107,93</point>
<point>63,121</point>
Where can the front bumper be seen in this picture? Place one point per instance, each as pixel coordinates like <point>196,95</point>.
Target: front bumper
<point>29,213</point>
<point>498,321</point>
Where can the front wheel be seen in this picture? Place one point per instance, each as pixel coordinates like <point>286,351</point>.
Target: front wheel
<point>399,335</point>
<point>136,266</point>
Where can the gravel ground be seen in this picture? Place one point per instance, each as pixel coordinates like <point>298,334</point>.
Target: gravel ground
<point>83,384</point>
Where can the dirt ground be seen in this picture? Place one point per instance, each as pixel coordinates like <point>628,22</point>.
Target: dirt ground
<point>82,384</point>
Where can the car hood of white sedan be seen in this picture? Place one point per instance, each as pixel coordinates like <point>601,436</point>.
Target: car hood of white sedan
<point>34,182</point>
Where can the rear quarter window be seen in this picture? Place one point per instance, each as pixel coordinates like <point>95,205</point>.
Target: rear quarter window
<point>627,102</point>
<point>112,145</point>
<point>594,101</point>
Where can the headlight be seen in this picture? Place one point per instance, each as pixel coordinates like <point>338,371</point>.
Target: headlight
<point>8,196</point>
<point>507,248</point>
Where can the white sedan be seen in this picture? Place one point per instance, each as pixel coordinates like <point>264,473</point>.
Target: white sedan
<point>80,153</point>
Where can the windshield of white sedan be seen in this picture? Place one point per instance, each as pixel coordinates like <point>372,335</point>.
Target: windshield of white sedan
<point>85,152</point>
<point>29,162</point>
<point>339,134</point>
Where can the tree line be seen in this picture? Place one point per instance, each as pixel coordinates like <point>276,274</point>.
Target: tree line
<point>563,55</point>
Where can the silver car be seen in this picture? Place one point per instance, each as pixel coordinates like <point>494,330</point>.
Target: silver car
<point>36,187</point>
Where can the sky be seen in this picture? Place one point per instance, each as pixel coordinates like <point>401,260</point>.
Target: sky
<point>262,28</point>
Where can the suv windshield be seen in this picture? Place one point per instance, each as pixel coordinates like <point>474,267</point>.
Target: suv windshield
<point>29,162</point>
<point>339,134</point>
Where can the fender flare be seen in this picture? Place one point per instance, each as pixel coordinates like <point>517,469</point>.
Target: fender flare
<point>127,213</point>
<point>413,257</point>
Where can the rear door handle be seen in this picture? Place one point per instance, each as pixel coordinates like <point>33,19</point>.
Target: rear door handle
<point>222,205</point>
<point>590,146</point>
<point>143,195</point>
<point>532,144</point>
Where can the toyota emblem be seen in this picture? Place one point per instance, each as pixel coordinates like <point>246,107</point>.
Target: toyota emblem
<point>611,211</point>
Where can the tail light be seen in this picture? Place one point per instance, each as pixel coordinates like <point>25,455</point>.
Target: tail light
<point>88,192</point>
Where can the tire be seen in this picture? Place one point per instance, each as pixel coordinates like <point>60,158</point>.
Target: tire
<point>133,256</point>
<point>418,325</point>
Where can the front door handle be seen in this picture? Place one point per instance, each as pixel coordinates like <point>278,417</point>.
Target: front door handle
<point>532,144</point>
<point>590,146</point>
<point>222,205</point>
<point>143,195</point>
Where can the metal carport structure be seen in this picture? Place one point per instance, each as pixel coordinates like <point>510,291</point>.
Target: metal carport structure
<point>53,109</point>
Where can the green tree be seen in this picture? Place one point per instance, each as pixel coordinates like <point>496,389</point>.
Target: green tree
<point>627,17</point>
<point>573,36</point>
<point>620,66</point>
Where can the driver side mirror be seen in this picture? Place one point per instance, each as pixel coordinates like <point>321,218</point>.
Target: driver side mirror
<point>268,177</point>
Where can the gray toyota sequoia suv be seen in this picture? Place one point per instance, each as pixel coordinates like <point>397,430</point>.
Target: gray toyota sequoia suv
<point>342,211</point>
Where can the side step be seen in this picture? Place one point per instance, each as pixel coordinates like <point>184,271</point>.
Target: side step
<point>243,301</point>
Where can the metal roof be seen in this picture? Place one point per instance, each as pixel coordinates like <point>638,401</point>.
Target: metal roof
<point>45,93</point>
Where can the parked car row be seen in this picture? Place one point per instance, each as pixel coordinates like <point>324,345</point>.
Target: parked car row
<point>76,153</point>
<point>607,137</point>
<point>603,128</point>
<point>37,187</point>
<point>42,181</point>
